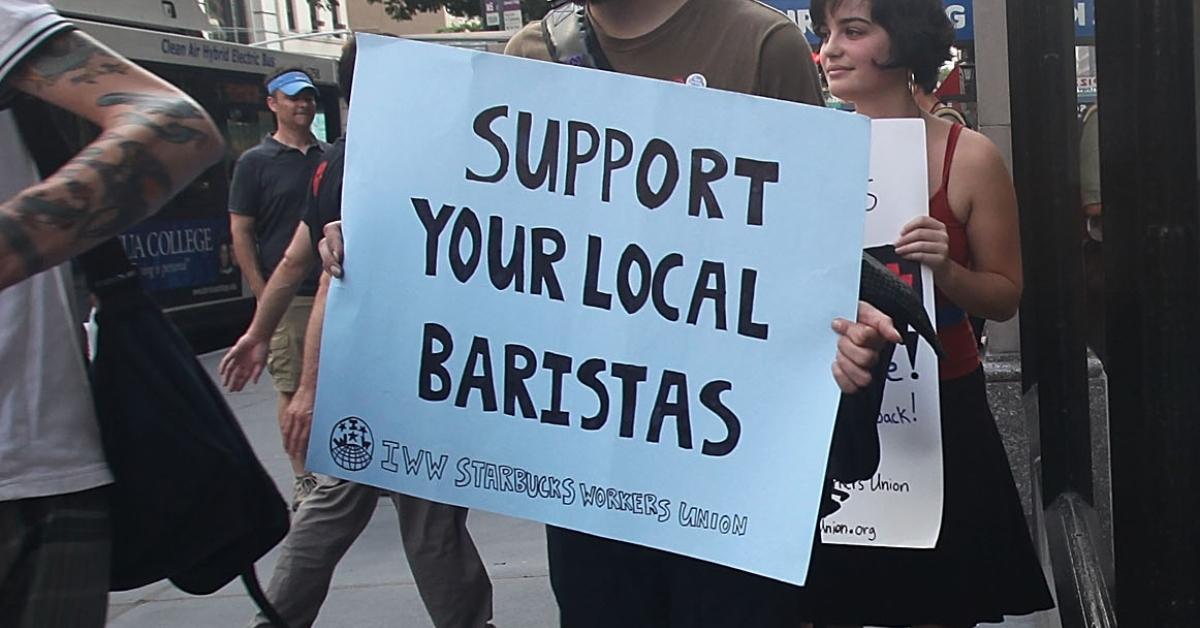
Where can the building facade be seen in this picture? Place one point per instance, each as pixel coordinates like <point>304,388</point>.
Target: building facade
<point>292,25</point>
<point>371,18</point>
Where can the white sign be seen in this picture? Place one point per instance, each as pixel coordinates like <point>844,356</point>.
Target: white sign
<point>901,506</point>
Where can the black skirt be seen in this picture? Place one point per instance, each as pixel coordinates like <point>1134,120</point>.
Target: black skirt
<point>983,567</point>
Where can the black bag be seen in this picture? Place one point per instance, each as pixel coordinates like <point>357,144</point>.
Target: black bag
<point>190,503</point>
<point>570,38</point>
<point>854,451</point>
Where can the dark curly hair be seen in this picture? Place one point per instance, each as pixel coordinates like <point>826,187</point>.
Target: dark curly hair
<point>345,67</point>
<point>920,31</point>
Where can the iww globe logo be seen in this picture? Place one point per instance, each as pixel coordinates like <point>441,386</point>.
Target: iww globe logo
<point>351,444</point>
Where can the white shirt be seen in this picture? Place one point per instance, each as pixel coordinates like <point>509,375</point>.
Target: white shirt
<point>49,438</point>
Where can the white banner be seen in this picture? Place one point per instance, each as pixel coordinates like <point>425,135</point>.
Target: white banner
<point>901,506</point>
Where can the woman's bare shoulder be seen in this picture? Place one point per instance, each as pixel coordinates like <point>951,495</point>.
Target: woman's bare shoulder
<point>977,153</point>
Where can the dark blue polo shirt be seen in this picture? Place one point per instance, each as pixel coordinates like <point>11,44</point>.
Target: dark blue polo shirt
<point>270,184</point>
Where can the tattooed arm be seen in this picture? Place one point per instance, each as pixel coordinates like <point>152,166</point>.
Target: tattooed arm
<point>154,140</point>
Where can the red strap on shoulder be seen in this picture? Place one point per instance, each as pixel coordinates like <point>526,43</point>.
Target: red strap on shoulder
<point>318,176</point>
<point>951,142</point>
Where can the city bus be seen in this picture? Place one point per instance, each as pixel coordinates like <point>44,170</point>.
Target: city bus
<point>184,253</point>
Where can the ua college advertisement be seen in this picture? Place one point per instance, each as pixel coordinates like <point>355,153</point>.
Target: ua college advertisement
<point>184,259</point>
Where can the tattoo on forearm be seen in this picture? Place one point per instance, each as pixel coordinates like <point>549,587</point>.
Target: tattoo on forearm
<point>16,237</point>
<point>126,188</point>
<point>173,109</point>
<point>152,104</point>
<point>120,177</point>
<point>171,132</point>
<point>71,55</point>
<point>98,197</point>
<point>60,214</point>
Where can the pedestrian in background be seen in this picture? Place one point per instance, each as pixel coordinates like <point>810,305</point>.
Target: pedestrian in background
<point>266,201</point>
<point>446,566</point>
<point>1093,238</point>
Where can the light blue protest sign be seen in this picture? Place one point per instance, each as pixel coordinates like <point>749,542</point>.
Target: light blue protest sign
<point>593,300</point>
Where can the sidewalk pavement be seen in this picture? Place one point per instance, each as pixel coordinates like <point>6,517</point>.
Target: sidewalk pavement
<point>373,585</point>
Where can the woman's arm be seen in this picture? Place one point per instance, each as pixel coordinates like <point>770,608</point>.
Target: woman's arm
<point>979,181</point>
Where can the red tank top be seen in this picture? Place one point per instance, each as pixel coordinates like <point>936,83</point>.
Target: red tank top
<point>953,325</point>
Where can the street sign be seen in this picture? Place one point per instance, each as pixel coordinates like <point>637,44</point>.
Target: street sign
<point>491,13</point>
<point>513,20</point>
<point>960,12</point>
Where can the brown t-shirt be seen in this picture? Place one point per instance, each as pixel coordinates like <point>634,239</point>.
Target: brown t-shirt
<point>736,45</point>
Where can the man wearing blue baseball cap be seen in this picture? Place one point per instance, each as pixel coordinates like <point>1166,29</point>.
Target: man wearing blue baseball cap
<point>290,82</point>
<point>266,201</point>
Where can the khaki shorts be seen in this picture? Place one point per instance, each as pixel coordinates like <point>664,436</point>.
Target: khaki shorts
<point>286,355</point>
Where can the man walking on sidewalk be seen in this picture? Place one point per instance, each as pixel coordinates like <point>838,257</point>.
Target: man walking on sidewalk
<point>446,566</point>
<point>266,200</point>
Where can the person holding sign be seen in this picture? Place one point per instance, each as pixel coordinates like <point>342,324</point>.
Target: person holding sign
<point>983,566</point>
<point>603,582</point>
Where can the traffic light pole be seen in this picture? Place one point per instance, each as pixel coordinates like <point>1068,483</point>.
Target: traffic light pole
<point>1148,56</point>
<point>1046,173</point>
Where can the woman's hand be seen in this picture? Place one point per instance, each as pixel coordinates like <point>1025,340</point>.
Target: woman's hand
<point>859,345</point>
<point>925,240</point>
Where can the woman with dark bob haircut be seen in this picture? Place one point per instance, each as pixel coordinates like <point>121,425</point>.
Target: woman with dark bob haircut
<point>983,566</point>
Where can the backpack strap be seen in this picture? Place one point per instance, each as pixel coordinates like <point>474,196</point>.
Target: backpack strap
<point>250,580</point>
<point>942,110</point>
<point>571,39</point>
<point>951,143</point>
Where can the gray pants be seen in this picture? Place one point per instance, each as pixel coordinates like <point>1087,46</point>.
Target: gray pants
<point>445,564</point>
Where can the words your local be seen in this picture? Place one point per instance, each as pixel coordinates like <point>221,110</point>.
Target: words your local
<point>638,280</point>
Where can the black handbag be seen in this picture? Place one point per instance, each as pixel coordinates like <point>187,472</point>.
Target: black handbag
<point>190,501</point>
<point>854,452</point>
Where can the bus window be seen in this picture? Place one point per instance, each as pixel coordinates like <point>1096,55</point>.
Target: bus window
<point>245,127</point>
<point>318,127</point>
